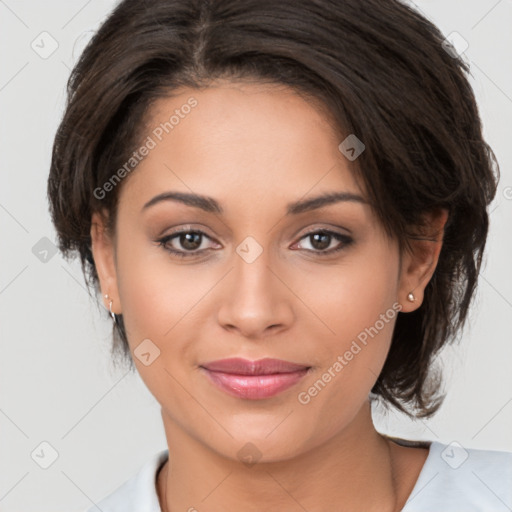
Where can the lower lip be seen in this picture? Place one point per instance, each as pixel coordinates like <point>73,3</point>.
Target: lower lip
<point>255,387</point>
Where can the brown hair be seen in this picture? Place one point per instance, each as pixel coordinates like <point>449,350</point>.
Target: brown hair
<point>380,70</point>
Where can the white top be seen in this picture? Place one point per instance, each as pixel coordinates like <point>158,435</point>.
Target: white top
<point>453,479</point>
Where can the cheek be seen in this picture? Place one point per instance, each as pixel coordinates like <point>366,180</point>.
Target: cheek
<point>158,305</point>
<point>350,297</point>
<point>155,296</point>
<point>357,307</point>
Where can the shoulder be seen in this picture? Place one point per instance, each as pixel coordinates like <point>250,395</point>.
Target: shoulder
<point>455,478</point>
<point>137,493</point>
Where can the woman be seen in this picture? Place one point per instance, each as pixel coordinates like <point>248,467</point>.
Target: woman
<point>284,207</point>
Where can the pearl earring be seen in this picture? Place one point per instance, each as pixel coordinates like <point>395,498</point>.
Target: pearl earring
<point>411,297</point>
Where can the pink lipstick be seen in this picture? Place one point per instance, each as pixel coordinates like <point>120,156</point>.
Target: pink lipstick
<point>254,380</point>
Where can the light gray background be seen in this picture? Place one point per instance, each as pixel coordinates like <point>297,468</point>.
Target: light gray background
<point>56,380</point>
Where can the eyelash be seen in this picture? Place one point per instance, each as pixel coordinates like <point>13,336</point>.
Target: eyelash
<point>346,241</point>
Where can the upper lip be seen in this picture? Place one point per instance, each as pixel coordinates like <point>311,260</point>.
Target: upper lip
<point>266,366</point>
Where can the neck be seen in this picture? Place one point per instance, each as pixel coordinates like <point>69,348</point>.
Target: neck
<point>355,470</point>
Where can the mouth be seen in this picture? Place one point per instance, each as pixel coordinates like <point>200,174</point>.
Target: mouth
<point>254,380</point>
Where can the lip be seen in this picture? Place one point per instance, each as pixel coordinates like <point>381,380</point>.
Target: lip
<point>240,366</point>
<point>254,380</point>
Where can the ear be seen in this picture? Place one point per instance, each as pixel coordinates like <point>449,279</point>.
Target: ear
<point>103,251</point>
<point>418,264</point>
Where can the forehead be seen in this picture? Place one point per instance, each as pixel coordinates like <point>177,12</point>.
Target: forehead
<point>240,142</point>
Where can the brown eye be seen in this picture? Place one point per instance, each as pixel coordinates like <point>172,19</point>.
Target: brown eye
<point>321,240</point>
<point>191,240</point>
<point>184,243</point>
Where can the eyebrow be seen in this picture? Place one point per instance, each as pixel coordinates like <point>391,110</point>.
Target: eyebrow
<point>210,205</point>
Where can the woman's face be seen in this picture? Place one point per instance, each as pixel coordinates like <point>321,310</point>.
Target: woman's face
<point>256,278</point>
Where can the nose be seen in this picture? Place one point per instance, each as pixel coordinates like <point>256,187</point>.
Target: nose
<point>256,301</point>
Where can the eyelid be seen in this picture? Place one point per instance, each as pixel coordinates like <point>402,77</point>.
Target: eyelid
<point>186,228</point>
<point>328,228</point>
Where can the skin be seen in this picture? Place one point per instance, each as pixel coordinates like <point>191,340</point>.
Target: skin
<point>255,148</point>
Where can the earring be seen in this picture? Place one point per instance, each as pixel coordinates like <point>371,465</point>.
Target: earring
<point>411,297</point>
<point>113,315</point>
